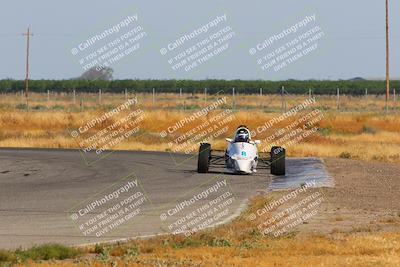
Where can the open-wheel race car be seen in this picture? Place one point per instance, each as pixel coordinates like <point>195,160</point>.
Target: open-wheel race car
<point>241,156</point>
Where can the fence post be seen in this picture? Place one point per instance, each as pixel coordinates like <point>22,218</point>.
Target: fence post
<point>283,99</point>
<point>394,99</point>
<point>100,96</point>
<point>82,104</point>
<point>338,99</point>
<point>205,96</point>
<point>74,96</point>
<point>233,98</point>
<point>126,94</point>
<point>180,100</point>
<point>154,96</point>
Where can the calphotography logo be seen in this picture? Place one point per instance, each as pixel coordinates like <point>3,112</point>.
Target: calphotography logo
<point>184,136</point>
<point>101,134</point>
<point>106,48</point>
<point>112,209</point>
<point>199,46</point>
<point>208,205</point>
<point>275,55</point>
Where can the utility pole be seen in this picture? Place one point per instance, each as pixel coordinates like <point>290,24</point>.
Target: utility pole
<point>283,99</point>
<point>387,56</point>
<point>28,35</point>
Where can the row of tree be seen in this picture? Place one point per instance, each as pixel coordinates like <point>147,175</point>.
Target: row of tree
<point>352,87</point>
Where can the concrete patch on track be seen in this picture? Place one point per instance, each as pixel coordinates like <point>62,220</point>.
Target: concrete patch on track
<point>300,171</point>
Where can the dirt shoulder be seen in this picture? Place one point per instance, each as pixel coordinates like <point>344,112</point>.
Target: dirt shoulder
<point>366,198</point>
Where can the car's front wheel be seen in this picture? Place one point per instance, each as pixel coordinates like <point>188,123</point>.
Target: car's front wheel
<point>203,161</point>
<point>278,160</point>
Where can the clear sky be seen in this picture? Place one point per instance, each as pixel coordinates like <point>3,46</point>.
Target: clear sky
<point>353,42</point>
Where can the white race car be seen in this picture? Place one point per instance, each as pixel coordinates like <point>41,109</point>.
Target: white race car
<point>241,156</point>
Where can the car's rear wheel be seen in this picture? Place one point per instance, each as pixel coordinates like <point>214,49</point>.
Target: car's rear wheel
<point>203,161</point>
<point>278,160</point>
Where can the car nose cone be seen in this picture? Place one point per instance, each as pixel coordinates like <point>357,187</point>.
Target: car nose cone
<point>243,165</point>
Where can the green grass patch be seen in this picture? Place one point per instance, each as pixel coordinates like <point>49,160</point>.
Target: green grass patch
<point>325,131</point>
<point>219,242</point>
<point>6,256</point>
<point>345,155</point>
<point>36,253</point>
<point>21,106</point>
<point>58,107</point>
<point>368,130</point>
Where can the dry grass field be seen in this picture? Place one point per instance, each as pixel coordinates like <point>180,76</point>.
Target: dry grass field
<point>360,130</point>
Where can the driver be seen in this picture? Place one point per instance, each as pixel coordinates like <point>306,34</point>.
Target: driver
<point>242,135</point>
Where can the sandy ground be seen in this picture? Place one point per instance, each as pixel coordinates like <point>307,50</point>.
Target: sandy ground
<point>366,198</point>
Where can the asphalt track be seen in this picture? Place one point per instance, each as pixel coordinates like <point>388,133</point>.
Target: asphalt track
<point>44,194</point>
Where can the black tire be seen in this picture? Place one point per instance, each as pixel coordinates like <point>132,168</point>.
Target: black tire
<point>203,161</point>
<point>278,166</point>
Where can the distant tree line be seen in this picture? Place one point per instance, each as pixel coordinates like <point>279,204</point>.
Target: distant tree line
<point>351,87</point>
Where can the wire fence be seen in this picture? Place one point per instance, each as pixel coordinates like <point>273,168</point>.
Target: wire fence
<point>184,101</point>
